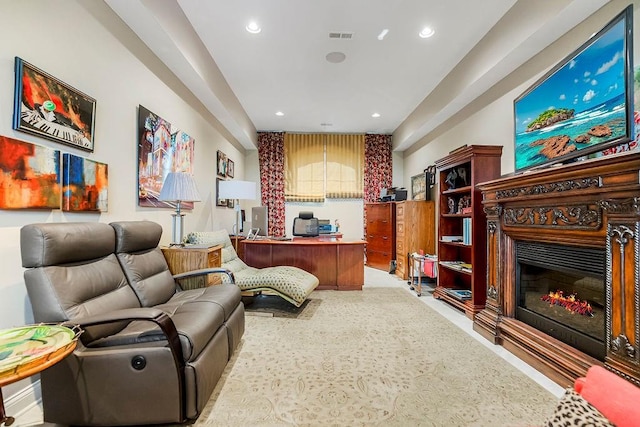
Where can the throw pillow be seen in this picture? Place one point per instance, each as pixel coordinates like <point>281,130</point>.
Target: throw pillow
<point>573,410</point>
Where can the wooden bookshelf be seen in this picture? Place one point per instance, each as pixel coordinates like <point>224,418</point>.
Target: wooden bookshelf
<point>463,266</point>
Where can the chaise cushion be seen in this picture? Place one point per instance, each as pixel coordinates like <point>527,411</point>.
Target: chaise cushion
<point>292,283</point>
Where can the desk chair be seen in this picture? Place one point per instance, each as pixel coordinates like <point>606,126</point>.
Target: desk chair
<point>306,225</point>
<point>291,283</point>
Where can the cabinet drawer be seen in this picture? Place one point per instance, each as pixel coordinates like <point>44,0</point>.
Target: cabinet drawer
<point>214,259</point>
<point>377,259</point>
<point>381,226</point>
<point>379,243</point>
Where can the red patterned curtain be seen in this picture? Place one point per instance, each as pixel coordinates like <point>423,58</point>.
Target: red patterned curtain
<point>378,168</point>
<point>378,165</point>
<point>271,158</point>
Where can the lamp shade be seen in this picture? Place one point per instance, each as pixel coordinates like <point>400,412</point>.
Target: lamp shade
<point>240,190</point>
<point>179,187</point>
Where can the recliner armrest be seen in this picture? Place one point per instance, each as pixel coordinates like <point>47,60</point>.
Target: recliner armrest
<point>204,271</point>
<point>154,315</point>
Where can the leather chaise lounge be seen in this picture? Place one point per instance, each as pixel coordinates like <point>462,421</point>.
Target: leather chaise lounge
<point>150,353</point>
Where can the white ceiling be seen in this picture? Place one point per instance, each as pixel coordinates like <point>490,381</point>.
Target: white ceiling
<point>244,79</point>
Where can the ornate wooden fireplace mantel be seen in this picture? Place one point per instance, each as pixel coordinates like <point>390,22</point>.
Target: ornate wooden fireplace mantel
<point>589,204</point>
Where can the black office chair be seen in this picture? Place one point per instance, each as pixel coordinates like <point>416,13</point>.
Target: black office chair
<point>305,225</point>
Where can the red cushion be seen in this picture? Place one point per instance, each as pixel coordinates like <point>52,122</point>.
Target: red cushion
<point>616,398</point>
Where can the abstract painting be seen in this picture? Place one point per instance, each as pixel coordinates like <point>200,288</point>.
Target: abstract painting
<point>162,148</point>
<point>48,107</point>
<point>84,184</point>
<point>29,175</point>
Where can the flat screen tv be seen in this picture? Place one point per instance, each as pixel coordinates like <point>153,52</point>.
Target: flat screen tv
<point>583,105</point>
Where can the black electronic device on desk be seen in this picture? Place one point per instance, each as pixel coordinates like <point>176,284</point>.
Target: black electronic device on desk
<point>393,194</point>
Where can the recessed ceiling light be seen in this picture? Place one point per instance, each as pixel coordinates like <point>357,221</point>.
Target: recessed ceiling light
<point>375,115</point>
<point>335,57</point>
<point>279,113</point>
<point>426,32</point>
<point>382,34</point>
<point>253,27</point>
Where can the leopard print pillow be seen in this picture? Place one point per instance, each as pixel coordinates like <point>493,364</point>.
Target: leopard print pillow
<point>573,410</point>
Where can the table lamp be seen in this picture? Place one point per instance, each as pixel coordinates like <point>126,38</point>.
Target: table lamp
<point>178,187</point>
<point>238,190</point>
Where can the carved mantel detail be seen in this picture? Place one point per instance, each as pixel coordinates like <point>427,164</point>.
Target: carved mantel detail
<point>551,187</point>
<point>626,206</point>
<point>622,235</point>
<point>593,204</point>
<point>578,217</point>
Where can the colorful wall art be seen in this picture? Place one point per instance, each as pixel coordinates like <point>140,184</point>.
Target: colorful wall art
<point>29,175</point>
<point>162,148</point>
<point>50,108</point>
<point>84,184</point>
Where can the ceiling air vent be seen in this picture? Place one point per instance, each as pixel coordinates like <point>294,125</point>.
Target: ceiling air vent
<point>342,35</point>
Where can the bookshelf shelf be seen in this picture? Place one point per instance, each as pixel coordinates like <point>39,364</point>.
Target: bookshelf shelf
<point>464,288</point>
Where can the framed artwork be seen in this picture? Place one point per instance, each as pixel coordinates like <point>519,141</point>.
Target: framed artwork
<point>219,202</point>
<point>162,148</point>
<point>84,184</point>
<point>230,203</point>
<point>230,166</point>
<point>419,187</point>
<point>222,164</point>
<point>30,177</point>
<point>50,108</point>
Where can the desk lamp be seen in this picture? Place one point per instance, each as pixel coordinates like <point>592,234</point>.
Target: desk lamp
<point>238,190</point>
<point>178,187</point>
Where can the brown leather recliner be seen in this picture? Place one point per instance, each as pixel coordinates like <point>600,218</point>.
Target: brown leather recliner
<point>150,352</point>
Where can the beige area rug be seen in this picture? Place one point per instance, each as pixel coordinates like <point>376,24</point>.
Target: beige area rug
<point>379,357</point>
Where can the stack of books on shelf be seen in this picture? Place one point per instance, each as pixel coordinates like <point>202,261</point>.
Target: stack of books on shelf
<point>457,265</point>
<point>466,231</point>
<point>451,238</point>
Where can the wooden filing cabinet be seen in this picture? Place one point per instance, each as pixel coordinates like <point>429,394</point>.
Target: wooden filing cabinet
<point>380,234</point>
<point>415,231</point>
<point>182,259</point>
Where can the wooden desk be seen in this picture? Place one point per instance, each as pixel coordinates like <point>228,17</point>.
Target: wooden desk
<point>183,258</point>
<point>337,264</point>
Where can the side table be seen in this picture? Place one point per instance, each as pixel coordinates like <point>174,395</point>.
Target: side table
<point>195,257</point>
<point>27,350</point>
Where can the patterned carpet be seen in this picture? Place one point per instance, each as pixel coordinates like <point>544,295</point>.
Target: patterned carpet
<point>378,357</point>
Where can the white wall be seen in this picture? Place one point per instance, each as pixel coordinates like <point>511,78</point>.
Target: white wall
<point>62,38</point>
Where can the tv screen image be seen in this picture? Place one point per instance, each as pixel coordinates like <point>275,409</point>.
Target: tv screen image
<point>582,105</point>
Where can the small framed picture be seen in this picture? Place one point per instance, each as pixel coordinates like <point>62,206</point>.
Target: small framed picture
<point>419,187</point>
<point>222,164</point>
<point>230,166</point>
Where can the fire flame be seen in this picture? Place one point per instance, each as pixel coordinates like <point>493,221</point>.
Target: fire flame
<point>570,302</point>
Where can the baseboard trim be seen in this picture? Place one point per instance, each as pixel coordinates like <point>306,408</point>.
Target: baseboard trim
<point>26,405</point>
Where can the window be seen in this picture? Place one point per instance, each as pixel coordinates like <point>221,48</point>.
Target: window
<point>323,165</point>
